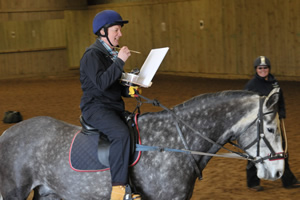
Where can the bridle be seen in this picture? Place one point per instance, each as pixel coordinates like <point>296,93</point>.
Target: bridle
<point>261,136</point>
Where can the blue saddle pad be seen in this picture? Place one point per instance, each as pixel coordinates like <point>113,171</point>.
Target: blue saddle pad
<point>83,154</point>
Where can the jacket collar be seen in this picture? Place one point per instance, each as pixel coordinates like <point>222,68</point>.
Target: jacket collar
<point>97,45</point>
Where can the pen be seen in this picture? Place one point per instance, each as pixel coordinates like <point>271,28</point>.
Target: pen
<point>129,50</point>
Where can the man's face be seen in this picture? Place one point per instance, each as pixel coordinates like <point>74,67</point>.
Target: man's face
<point>262,71</point>
<point>114,34</point>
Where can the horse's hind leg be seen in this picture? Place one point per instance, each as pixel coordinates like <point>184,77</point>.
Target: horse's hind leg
<point>44,193</point>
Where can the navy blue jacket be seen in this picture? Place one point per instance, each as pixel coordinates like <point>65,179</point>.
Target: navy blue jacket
<point>99,77</point>
<point>264,87</point>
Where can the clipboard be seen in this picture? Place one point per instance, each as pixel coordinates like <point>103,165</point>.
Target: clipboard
<point>148,70</point>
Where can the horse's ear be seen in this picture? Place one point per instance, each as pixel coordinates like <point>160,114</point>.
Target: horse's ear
<point>272,98</point>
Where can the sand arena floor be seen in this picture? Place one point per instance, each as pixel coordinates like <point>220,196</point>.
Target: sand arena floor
<point>223,178</point>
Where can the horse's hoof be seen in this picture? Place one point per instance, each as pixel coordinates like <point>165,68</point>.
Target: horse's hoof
<point>294,185</point>
<point>256,188</point>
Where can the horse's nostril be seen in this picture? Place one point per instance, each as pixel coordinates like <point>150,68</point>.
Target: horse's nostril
<point>278,174</point>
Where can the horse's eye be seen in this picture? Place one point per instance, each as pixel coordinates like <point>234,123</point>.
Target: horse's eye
<point>271,130</point>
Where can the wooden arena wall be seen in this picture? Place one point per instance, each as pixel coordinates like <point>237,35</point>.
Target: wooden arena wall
<point>211,38</point>
<point>34,37</point>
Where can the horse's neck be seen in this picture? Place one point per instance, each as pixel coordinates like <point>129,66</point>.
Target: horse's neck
<point>159,129</point>
<point>162,128</point>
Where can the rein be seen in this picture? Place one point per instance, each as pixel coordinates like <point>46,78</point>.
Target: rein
<point>162,149</point>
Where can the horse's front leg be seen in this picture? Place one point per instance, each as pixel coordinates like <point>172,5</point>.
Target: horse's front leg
<point>44,193</point>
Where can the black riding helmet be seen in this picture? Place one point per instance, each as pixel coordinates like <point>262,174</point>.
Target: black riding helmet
<point>262,61</point>
<point>106,19</point>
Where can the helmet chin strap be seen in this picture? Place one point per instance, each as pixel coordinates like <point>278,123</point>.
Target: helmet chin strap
<point>106,36</point>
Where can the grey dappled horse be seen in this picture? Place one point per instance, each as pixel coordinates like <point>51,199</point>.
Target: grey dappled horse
<point>34,153</point>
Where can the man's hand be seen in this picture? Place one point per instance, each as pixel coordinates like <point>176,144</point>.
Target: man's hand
<point>124,53</point>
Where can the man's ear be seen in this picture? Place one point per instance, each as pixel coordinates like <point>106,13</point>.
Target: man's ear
<point>102,32</point>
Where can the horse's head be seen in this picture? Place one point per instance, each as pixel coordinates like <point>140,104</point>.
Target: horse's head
<point>262,139</point>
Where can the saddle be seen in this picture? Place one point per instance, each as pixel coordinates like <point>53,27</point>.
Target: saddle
<point>91,133</point>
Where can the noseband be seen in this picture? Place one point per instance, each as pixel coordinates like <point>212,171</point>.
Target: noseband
<point>261,136</point>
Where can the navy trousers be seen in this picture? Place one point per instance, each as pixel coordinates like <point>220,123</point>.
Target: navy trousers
<point>287,179</point>
<point>112,124</point>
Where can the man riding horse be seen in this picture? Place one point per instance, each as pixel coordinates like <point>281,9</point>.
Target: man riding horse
<point>102,105</point>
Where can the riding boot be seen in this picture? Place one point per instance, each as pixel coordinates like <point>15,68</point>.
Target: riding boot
<point>122,192</point>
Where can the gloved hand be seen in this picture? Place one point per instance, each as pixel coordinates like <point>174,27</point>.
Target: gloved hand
<point>133,90</point>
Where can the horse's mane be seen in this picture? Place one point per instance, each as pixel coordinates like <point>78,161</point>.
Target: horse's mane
<point>214,98</point>
<point>209,99</point>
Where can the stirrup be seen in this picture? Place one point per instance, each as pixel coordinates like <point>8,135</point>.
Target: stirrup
<point>129,195</point>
